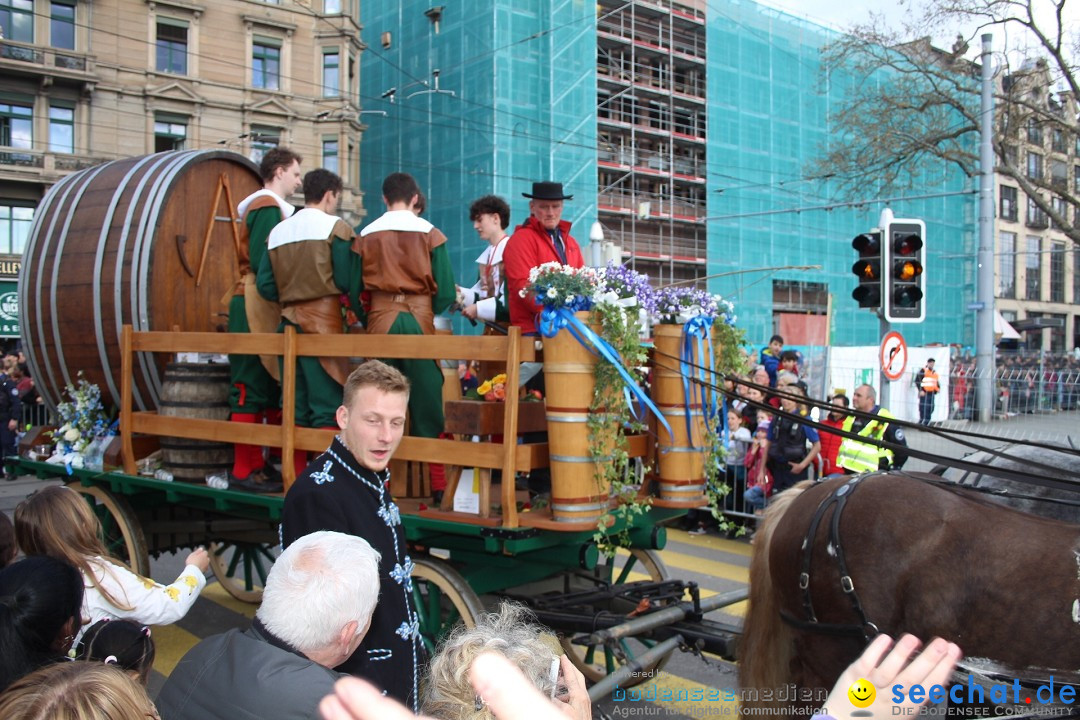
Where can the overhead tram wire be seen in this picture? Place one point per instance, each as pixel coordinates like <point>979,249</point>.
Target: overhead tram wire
<point>955,436</point>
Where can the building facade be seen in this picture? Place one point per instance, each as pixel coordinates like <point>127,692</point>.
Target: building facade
<point>83,83</point>
<point>1037,267</point>
<point>677,124</point>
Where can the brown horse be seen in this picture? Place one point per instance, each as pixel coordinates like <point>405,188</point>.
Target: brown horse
<point>922,559</point>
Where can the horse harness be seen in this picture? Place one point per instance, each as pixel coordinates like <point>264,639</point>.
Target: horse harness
<point>865,629</point>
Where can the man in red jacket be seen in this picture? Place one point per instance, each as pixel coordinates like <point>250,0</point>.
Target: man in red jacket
<point>544,237</point>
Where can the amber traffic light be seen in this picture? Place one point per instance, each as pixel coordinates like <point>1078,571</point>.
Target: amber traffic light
<point>868,269</point>
<point>905,285</point>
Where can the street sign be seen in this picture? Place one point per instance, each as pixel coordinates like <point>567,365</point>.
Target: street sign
<point>980,305</point>
<point>893,355</point>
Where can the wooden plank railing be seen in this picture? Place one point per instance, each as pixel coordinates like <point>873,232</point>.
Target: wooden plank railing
<point>508,456</point>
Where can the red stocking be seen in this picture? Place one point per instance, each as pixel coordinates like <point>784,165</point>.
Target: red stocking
<point>246,458</point>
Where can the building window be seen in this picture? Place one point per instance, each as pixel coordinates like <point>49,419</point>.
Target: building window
<point>1076,178</point>
<point>15,221</point>
<point>1006,276</point>
<point>1036,218</point>
<point>330,155</point>
<point>1034,166</point>
<point>16,125</point>
<point>1033,266</point>
<point>1057,140</point>
<point>1059,174</point>
<point>62,24</point>
<point>1059,206</point>
<point>1076,280</point>
<point>17,19</point>
<point>1057,272</point>
<point>263,139</point>
<point>1034,132</point>
<point>1009,208</point>
<point>331,73</point>
<point>172,43</point>
<point>331,7</point>
<point>170,133</point>
<point>266,64</point>
<point>61,129</point>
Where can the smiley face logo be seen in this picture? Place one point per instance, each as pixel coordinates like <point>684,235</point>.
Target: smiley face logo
<point>861,693</point>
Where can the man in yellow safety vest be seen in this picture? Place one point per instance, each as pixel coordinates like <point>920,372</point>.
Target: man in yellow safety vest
<point>870,422</point>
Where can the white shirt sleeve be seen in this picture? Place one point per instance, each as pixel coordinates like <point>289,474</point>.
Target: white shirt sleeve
<point>151,603</point>
<point>485,309</point>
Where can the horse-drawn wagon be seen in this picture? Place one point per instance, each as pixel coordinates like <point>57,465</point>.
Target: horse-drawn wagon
<point>156,230</point>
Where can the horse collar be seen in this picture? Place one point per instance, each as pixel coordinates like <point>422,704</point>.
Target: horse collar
<point>839,498</point>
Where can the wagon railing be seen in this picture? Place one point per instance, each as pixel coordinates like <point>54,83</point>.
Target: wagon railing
<point>511,349</point>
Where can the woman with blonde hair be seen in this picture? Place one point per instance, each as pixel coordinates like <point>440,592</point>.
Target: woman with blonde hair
<point>58,522</point>
<point>448,694</point>
<point>76,691</point>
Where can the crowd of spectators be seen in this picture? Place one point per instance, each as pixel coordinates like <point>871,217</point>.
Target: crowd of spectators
<point>1024,382</point>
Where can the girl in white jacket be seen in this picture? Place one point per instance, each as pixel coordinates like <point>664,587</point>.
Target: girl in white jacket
<point>58,522</point>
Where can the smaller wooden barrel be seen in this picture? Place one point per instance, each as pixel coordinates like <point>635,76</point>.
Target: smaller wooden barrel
<point>195,390</point>
<point>577,494</point>
<point>681,459</point>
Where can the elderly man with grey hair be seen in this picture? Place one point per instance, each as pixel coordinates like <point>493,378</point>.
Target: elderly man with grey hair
<point>316,609</point>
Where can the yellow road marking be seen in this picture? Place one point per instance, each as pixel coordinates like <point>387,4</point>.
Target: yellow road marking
<point>216,593</point>
<point>711,542</point>
<point>714,568</point>
<point>171,642</point>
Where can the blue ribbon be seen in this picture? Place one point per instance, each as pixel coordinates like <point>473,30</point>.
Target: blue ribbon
<point>698,328</point>
<point>552,320</point>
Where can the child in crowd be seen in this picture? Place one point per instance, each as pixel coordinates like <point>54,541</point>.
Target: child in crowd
<point>770,357</point>
<point>123,643</point>
<point>8,548</point>
<point>789,360</point>
<point>739,440</point>
<point>56,521</point>
<point>758,478</point>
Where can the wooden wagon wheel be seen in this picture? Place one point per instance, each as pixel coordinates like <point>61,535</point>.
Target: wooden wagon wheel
<point>121,531</point>
<point>597,661</point>
<point>242,567</point>
<point>443,598</point>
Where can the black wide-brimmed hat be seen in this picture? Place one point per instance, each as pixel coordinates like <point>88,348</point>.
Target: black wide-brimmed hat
<point>547,191</point>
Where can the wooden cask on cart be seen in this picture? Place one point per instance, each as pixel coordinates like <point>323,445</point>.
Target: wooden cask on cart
<point>681,458</point>
<point>201,391</point>
<point>576,493</point>
<point>135,241</point>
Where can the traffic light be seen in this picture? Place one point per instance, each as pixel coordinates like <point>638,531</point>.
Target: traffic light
<point>868,270</point>
<point>905,281</point>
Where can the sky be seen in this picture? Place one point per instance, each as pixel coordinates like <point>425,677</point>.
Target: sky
<point>842,15</point>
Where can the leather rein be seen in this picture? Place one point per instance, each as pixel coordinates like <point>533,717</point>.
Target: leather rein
<point>865,629</point>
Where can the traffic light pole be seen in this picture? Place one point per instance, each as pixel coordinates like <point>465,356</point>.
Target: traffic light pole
<point>884,327</point>
<point>984,317</point>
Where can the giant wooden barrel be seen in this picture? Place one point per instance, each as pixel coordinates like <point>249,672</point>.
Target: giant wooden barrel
<point>201,391</point>
<point>681,458</point>
<point>121,243</point>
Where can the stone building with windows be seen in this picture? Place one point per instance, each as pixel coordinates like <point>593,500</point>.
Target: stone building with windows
<point>83,83</point>
<point>1037,266</point>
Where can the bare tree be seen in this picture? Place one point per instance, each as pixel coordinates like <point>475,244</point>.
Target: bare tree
<point>909,105</point>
